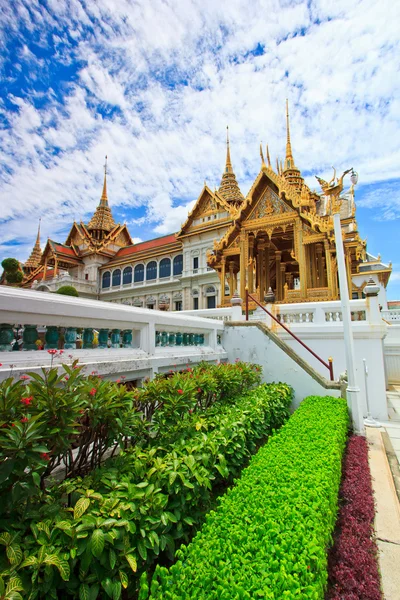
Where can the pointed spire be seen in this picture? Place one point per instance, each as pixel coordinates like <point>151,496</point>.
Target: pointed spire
<point>229,188</point>
<point>268,158</point>
<point>102,219</point>
<point>289,155</point>
<point>262,156</point>
<point>228,166</point>
<point>104,199</point>
<point>36,254</point>
<point>277,165</point>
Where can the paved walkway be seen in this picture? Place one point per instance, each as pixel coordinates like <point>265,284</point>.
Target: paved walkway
<point>387,519</point>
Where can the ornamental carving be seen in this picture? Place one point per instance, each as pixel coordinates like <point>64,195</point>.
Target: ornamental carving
<point>268,205</point>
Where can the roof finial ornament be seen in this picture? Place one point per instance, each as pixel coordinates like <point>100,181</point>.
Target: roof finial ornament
<point>228,166</point>
<point>277,165</point>
<point>262,156</point>
<point>268,158</point>
<point>104,199</point>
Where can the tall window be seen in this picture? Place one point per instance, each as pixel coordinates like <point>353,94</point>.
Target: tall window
<point>105,283</point>
<point>127,275</point>
<point>138,273</point>
<point>165,267</point>
<point>195,263</point>
<point>210,301</point>
<point>195,304</point>
<point>178,264</point>
<point>151,270</point>
<point>116,277</point>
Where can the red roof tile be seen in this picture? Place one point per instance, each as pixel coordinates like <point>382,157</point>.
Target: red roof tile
<point>150,244</point>
<point>64,249</point>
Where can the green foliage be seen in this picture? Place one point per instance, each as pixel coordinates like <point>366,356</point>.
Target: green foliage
<point>14,277</point>
<point>268,537</point>
<point>11,265</point>
<point>67,290</point>
<point>93,537</point>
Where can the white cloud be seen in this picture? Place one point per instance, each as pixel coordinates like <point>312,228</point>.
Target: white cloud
<point>175,74</point>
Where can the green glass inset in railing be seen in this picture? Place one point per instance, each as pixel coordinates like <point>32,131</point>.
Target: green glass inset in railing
<point>51,337</point>
<point>6,337</point>
<point>88,337</point>
<point>219,339</point>
<point>127,338</point>
<point>186,339</point>
<point>179,339</point>
<point>197,339</point>
<point>158,338</point>
<point>103,338</point>
<point>29,337</point>
<point>191,339</point>
<point>171,339</point>
<point>70,338</point>
<point>164,338</point>
<point>201,339</point>
<point>115,338</point>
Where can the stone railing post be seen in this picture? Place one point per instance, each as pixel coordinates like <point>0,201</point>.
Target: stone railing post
<point>371,291</point>
<point>236,303</point>
<point>148,338</point>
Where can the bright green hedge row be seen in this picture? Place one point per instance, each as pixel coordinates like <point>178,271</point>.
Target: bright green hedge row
<point>269,536</point>
<point>137,505</point>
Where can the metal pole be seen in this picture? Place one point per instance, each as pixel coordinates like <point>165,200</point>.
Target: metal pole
<point>369,421</point>
<point>353,390</point>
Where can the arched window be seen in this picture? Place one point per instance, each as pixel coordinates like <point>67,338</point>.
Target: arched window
<point>151,270</point>
<point>105,283</point>
<point>138,273</point>
<point>116,278</point>
<point>178,265</point>
<point>127,275</point>
<point>165,267</point>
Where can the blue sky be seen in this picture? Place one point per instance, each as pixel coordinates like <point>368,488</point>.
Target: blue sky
<point>154,84</point>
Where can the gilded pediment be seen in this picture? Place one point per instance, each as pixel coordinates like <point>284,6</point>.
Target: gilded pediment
<point>268,205</point>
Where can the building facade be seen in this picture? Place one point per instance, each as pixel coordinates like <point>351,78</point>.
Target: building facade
<point>279,237</point>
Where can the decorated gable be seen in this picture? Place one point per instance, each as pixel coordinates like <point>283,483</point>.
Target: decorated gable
<point>268,205</point>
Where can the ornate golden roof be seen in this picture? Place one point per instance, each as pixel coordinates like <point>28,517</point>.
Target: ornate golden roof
<point>36,254</point>
<point>102,219</point>
<point>229,188</point>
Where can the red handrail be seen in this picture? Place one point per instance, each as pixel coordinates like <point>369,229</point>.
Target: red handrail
<point>328,365</point>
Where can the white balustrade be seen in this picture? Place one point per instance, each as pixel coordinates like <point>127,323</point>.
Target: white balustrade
<point>130,340</point>
<point>392,316</point>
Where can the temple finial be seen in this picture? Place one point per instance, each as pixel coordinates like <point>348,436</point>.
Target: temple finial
<point>268,157</point>
<point>38,233</point>
<point>228,166</point>
<point>262,156</point>
<point>104,199</point>
<point>289,161</point>
<point>277,166</point>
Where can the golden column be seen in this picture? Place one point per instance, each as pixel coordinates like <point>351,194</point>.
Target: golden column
<point>329,268</point>
<point>267,275</point>
<point>250,264</point>
<point>223,262</point>
<point>243,263</point>
<point>301,258</point>
<point>320,267</point>
<point>278,255</point>
<point>231,278</point>
<point>261,260</point>
<point>283,270</point>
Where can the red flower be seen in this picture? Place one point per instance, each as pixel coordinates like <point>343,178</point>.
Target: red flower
<point>81,411</point>
<point>24,377</point>
<point>1,364</point>
<point>66,378</point>
<point>93,372</point>
<point>123,377</point>
<point>180,391</point>
<point>118,381</point>
<point>76,367</point>
<point>27,401</point>
<point>45,456</point>
<point>92,391</point>
<point>24,420</point>
<point>12,424</point>
<point>61,351</point>
<point>199,390</point>
<point>53,351</point>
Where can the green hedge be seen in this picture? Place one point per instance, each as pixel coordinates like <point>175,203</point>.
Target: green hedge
<point>269,536</point>
<point>119,519</point>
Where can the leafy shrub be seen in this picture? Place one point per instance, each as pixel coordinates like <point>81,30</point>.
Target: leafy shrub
<point>67,290</point>
<point>267,539</point>
<point>118,520</point>
<point>10,265</point>
<point>353,566</point>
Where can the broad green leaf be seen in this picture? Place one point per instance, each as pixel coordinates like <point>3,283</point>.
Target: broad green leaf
<point>117,590</point>
<point>132,561</point>
<point>30,561</point>
<point>97,542</point>
<point>81,507</point>
<point>60,564</point>
<point>84,592</point>
<point>124,579</point>
<point>112,558</point>
<point>14,554</point>
<point>108,587</point>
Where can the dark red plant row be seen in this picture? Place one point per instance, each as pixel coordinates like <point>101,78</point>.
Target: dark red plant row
<point>352,563</point>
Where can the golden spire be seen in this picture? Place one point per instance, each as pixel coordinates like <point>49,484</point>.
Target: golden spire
<point>228,166</point>
<point>102,219</point>
<point>268,158</point>
<point>289,155</point>
<point>277,165</point>
<point>229,188</point>
<point>36,254</point>
<point>262,156</point>
<point>104,199</point>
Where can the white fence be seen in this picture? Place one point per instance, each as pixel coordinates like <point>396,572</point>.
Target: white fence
<point>392,316</point>
<point>131,341</point>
